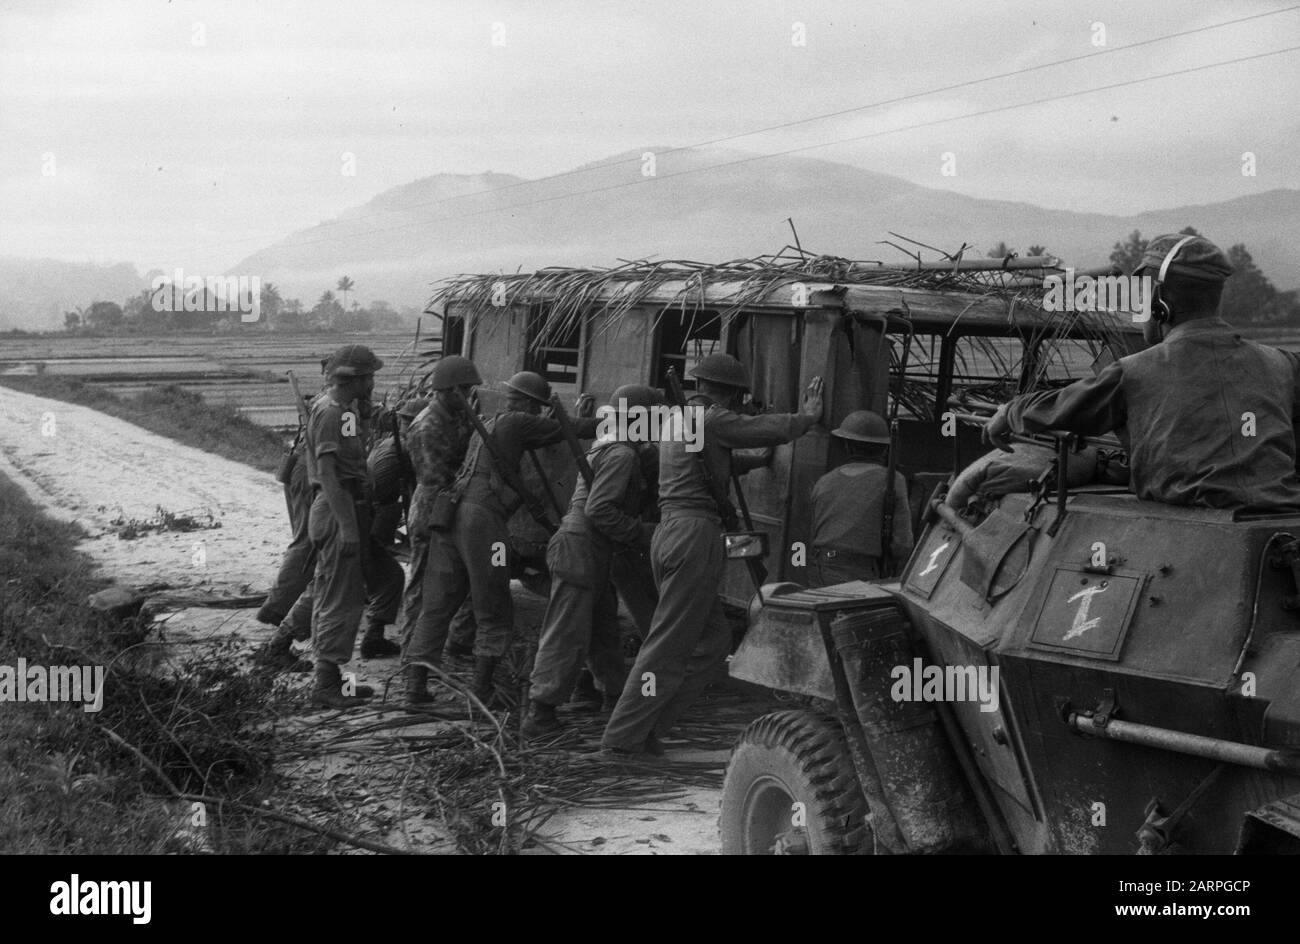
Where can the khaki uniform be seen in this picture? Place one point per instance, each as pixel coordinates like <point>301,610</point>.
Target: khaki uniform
<point>603,524</point>
<point>848,516</point>
<point>472,555</point>
<point>343,582</point>
<point>1181,404</point>
<point>690,637</point>
<point>298,565</point>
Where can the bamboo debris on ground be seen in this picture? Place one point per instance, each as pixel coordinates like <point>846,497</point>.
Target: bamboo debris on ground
<point>487,791</point>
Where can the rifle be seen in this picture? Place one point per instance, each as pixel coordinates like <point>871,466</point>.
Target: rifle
<point>297,399</point>
<point>718,491</point>
<point>290,460</point>
<point>887,562</point>
<point>571,438</point>
<point>546,483</point>
<point>404,463</point>
<point>511,476</point>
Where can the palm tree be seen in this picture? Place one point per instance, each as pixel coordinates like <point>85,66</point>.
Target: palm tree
<point>345,286</point>
<point>270,301</point>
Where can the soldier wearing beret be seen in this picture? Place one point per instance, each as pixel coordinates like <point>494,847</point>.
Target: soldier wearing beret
<point>1208,415</point>
<point>347,570</point>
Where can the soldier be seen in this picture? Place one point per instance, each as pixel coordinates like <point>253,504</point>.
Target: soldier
<point>391,479</point>
<point>437,442</point>
<point>281,608</point>
<point>1183,402</point>
<point>472,554</point>
<point>604,522</point>
<point>848,505</point>
<point>393,476</point>
<point>689,638</point>
<point>347,569</point>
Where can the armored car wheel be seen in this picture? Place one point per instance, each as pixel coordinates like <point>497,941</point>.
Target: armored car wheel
<point>791,789</point>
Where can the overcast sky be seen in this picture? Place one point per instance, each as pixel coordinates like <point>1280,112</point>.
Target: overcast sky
<point>193,133</point>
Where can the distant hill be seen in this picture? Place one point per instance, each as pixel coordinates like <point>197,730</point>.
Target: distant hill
<point>405,238</point>
<point>34,293</point>
<point>396,245</point>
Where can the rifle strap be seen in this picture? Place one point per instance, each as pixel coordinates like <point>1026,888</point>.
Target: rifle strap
<point>509,476</point>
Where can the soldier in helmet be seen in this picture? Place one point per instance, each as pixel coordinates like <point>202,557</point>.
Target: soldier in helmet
<point>605,522</point>
<point>1181,401</point>
<point>690,637</point>
<point>393,478</point>
<point>392,473</point>
<point>347,571</point>
<point>436,442</point>
<point>470,556</point>
<point>848,506</point>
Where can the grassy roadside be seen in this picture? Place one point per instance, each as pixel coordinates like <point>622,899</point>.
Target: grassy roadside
<point>66,785</point>
<point>169,411</point>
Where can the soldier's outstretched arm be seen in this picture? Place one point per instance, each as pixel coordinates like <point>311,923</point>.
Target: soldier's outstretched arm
<point>536,431</point>
<point>732,430</point>
<point>1088,407</point>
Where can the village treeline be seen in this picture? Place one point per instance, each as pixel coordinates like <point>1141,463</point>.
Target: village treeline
<point>334,311</point>
<point>1249,298</point>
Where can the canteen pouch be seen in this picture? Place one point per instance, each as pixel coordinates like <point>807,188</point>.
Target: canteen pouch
<point>287,464</point>
<point>442,513</point>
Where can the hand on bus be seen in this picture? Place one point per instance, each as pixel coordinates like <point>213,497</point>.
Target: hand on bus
<point>811,404</point>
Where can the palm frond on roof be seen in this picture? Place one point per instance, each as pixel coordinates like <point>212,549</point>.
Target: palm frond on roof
<point>604,296</point>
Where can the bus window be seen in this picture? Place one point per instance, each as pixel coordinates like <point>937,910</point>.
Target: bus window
<point>684,339</point>
<point>1061,362</point>
<point>768,345</point>
<point>554,350</point>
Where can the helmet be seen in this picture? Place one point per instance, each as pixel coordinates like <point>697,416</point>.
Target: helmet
<point>636,395</point>
<point>412,407</point>
<point>863,426</point>
<point>453,371</point>
<point>352,360</point>
<point>531,385</point>
<point>722,369</point>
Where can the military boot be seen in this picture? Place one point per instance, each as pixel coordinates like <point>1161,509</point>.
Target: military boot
<point>540,721</point>
<point>328,692</point>
<point>458,655</point>
<point>586,697</point>
<point>417,685</point>
<point>484,667</point>
<point>276,655</point>
<point>375,646</point>
<point>271,617</point>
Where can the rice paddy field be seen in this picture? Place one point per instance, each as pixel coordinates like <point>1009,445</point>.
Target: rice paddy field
<point>246,371</point>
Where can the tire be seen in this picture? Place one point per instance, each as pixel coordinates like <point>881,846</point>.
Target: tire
<point>782,759</point>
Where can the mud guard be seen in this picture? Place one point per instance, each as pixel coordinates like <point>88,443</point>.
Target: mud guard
<point>783,650</point>
<point>1271,829</point>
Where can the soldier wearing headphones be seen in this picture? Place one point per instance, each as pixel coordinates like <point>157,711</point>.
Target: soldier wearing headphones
<point>1209,417</point>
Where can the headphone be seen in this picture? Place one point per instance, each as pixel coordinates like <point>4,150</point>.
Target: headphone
<point>1159,307</point>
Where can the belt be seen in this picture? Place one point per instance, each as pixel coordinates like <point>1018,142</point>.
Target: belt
<point>706,513</point>
<point>354,487</point>
<point>831,553</point>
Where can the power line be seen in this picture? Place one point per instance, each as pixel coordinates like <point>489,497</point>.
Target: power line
<point>809,147</point>
<point>969,83</point>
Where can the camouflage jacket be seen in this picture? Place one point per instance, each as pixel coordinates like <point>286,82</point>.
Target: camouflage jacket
<point>436,442</point>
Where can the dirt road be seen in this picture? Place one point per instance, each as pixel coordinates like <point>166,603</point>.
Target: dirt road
<point>95,469</point>
<point>104,473</point>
